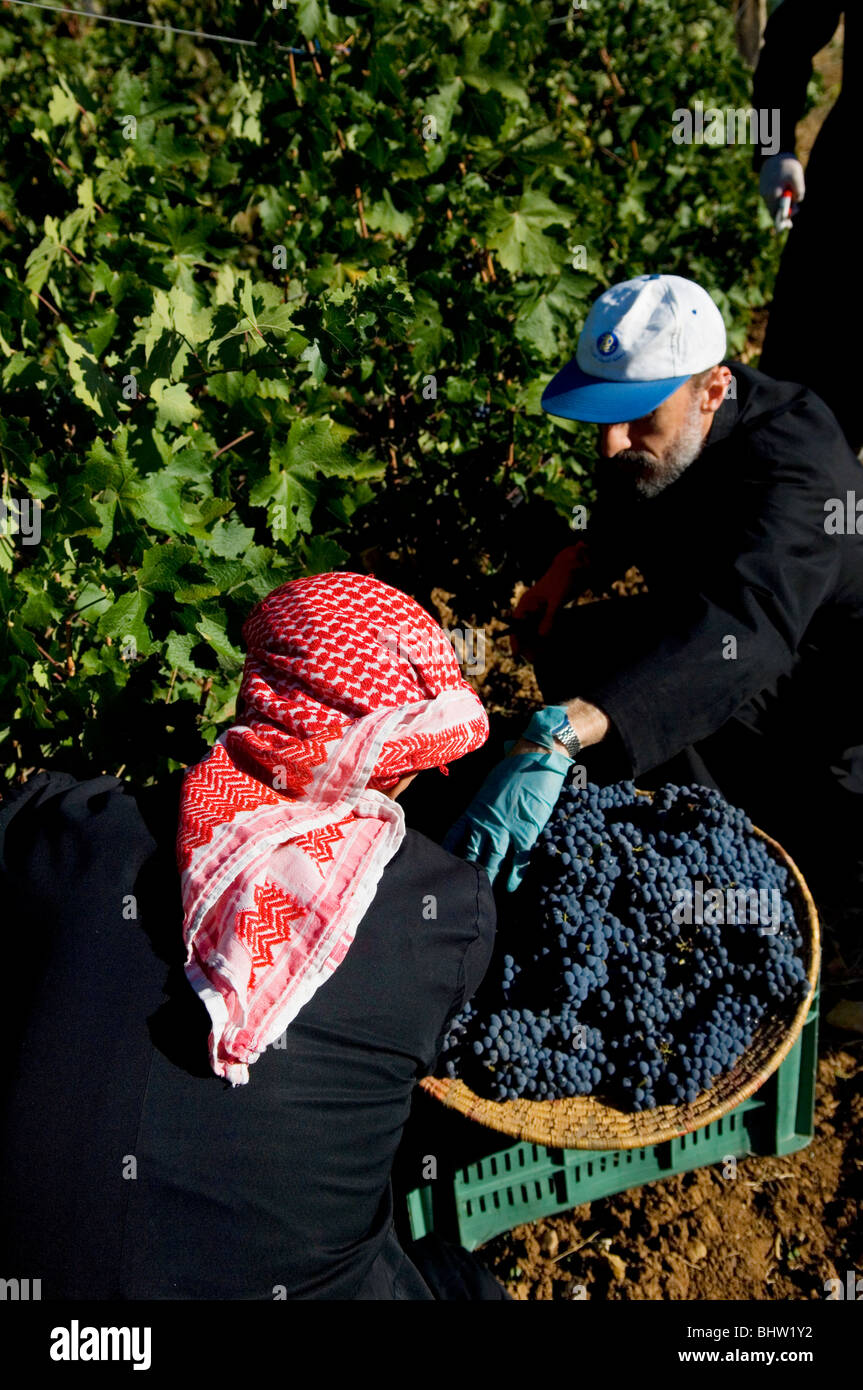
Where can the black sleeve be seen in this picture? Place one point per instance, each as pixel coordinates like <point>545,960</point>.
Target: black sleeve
<point>56,831</point>
<point>616,519</point>
<point>795,32</point>
<point>477,956</point>
<point>685,685</point>
<point>35,791</point>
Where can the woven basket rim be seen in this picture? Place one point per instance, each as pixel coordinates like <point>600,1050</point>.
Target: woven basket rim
<point>538,1121</point>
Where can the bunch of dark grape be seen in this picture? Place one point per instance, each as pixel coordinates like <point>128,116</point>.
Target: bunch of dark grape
<point>649,940</point>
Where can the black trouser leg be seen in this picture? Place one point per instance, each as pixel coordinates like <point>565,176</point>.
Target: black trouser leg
<point>803,316</point>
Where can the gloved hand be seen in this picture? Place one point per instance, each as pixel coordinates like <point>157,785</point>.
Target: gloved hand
<point>779,172</point>
<point>509,811</point>
<point>542,724</point>
<point>541,602</point>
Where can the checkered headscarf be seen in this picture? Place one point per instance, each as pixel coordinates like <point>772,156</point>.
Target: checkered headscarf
<point>284,830</point>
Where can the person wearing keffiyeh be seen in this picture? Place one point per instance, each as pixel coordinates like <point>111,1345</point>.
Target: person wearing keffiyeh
<point>285,828</point>
<point>327,947</point>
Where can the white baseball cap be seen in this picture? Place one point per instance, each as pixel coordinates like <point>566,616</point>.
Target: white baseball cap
<point>641,340</point>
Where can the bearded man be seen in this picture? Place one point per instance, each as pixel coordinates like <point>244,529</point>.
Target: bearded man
<point>738,668</point>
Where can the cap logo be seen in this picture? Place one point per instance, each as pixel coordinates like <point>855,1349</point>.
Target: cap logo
<point>607,343</point>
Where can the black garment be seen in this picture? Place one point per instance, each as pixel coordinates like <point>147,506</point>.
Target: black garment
<point>818,289</point>
<point>453,1274</point>
<point>282,1184</point>
<point>748,645</point>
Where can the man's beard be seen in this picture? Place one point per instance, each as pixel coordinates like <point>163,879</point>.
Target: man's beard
<point>650,476</point>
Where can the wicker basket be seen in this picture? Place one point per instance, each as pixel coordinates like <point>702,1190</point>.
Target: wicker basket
<point>581,1122</point>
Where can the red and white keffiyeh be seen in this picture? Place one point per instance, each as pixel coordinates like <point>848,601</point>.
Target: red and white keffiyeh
<point>284,832</point>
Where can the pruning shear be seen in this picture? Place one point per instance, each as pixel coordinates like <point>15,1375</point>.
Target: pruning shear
<point>783,212</point>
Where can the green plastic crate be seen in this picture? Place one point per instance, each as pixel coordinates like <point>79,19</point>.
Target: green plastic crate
<point>527,1181</point>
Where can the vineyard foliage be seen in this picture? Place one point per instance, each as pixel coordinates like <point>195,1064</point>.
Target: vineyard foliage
<point>251,298</point>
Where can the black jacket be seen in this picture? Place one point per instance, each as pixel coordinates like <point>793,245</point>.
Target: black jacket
<point>737,549</point>
<point>128,1169</point>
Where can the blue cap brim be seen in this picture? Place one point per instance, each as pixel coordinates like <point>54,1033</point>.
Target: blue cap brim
<point>576,396</point>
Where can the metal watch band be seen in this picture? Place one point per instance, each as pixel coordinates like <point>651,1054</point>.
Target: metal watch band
<point>569,738</point>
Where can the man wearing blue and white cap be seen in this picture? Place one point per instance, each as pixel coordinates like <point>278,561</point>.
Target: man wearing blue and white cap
<point>740,665</point>
<point>642,341</point>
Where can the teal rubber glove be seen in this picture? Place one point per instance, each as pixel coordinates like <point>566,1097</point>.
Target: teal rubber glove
<point>542,722</point>
<point>508,813</point>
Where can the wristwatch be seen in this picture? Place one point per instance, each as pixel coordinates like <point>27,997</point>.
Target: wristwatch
<point>565,734</point>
